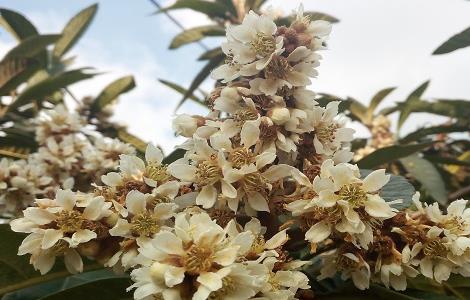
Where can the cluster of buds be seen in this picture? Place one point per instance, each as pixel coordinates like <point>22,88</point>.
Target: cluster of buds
<point>69,156</point>
<point>264,174</point>
<point>381,137</point>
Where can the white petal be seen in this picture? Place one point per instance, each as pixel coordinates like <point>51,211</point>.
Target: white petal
<point>318,232</point>
<point>207,196</point>
<point>135,202</point>
<point>153,154</point>
<point>51,237</point>
<point>375,180</point>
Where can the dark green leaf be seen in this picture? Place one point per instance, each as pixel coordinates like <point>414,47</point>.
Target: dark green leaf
<point>397,188</point>
<point>359,111</point>
<point>211,54</point>
<point>15,71</point>
<point>74,30</point>
<point>103,289</point>
<point>48,86</point>
<point>196,34</point>
<point>389,154</point>
<point>459,109</point>
<point>181,90</point>
<point>446,160</point>
<point>376,100</point>
<point>176,154</point>
<point>200,77</point>
<point>211,9</point>
<point>412,99</point>
<point>31,46</point>
<point>426,174</point>
<point>458,41</point>
<point>423,132</point>
<point>129,138</point>
<point>112,91</point>
<point>16,24</point>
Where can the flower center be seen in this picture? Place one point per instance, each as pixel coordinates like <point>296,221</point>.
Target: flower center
<point>454,225</point>
<point>198,260</point>
<point>59,248</point>
<point>208,172</point>
<point>354,194</point>
<point>245,114</point>
<point>240,157</point>
<point>156,172</point>
<point>326,133</point>
<point>258,245</point>
<point>273,281</point>
<point>263,45</point>
<point>331,215</point>
<point>435,248</point>
<point>228,286</point>
<point>254,182</point>
<point>344,263</point>
<point>144,224</point>
<point>69,221</point>
<point>278,68</point>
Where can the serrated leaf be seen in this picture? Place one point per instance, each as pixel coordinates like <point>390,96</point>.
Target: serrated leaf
<point>112,91</point>
<point>426,174</point>
<point>31,46</point>
<point>450,161</point>
<point>458,41</point>
<point>413,98</point>
<point>423,132</point>
<point>17,24</point>
<point>200,77</point>
<point>376,100</point>
<point>48,86</point>
<point>389,154</point>
<point>74,30</point>
<point>178,88</point>
<point>397,188</point>
<point>196,34</point>
<point>211,9</point>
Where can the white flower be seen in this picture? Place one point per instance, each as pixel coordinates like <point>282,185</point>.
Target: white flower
<point>185,125</point>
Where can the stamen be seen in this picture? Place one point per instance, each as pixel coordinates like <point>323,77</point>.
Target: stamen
<point>69,221</point>
<point>144,224</point>
<point>198,260</point>
<point>278,68</point>
<point>354,194</point>
<point>241,157</point>
<point>263,45</point>
<point>208,172</point>
<point>157,172</point>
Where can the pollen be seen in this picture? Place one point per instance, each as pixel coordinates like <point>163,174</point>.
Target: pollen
<point>208,172</point>
<point>263,45</point>
<point>59,248</point>
<point>455,225</point>
<point>354,194</point>
<point>240,157</point>
<point>278,68</point>
<point>245,114</point>
<point>157,172</point>
<point>144,224</point>
<point>435,248</point>
<point>69,221</point>
<point>326,133</point>
<point>198,259</point>
<point>254,182</point>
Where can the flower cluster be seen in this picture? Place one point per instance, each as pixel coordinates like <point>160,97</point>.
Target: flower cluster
<point>264,177</point>
<point>69,156</point>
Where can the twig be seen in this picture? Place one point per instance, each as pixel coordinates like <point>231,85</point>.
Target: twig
<point>460,193</point>
<point>72,95</point>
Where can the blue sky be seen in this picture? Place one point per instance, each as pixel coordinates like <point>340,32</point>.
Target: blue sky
<point>377,44</point>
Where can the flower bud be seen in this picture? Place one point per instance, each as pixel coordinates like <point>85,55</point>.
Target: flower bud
<point>279,115</point>
<point>90,249</point>
<point>185,125</point>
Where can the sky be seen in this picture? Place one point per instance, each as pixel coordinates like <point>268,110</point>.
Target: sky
<point>376,44</point>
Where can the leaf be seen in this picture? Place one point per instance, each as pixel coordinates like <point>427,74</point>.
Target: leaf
<point>376,100</point>
<point>211,9</point>
<point>413,98</point>
<point>196,34</point>
<point>129,138</point>
<point>112,91</point>
<point>14,71</point>
<point>74,30</point>
<point>450,161</point>
<point>181,90</point>
<point>389,154</point>
<point>458,41</point>
<point>459,109</point>
<point>200,77</point>
<point>359,111</point>
<point>48,86</point>
<point>423,132</point>
<point>426,174</point>
<point>211,54</point>
<point>103,289</point>
<point>176,154</point>
<point>31,46</point>
<point>397,188</point>
<point>18,25</point>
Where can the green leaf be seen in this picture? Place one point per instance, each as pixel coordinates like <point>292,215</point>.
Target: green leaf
<point>397,188</point>
<point>74,30</point>
<point>389,154</point>
<point>181,90</point>
<point>459,109</point>
<point>48,86</point>
<point>129,138</point>
<point>446,160</point>
<point>103,289</point>
<point>412,99</point>
<point>31,46</point>
<point>458,41</point>
<point>427,174</point>
<point>112,91</point>
<point>15,71</point>
<point>359,111</point>
<point>423,132</point>
<point>211,9</point>
<point>196,34</point>
<point>376,100</point>
<point>18,25</point>
<point>216,52</point>
<point>200,77</point>
<point>176,154</point>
